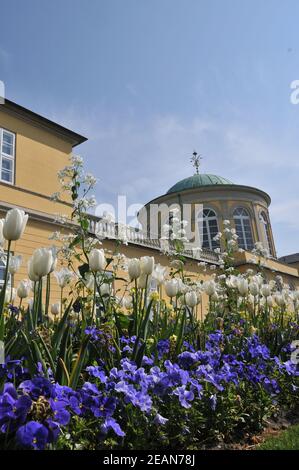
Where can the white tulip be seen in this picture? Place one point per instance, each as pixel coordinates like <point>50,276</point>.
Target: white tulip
<point>144,281</point>
<point>215,297</point>
<point>105,289</point>
<point>31,273</point>
<point>265,290</point>
<point>191,299</point>
<point>159,274</point>
<point>209,287</point>
<point>14,264</point>
<point>63,277</point>
<point>296,295</point>
<point>232,281</point>
<point>258,279</point>
<point>134,268</point>
<point>55,308</point>
<point>88,281</point>
<point>23,289</point>
<point>14,224</point>
<point>127,302</point>
<point>54,254</point>
<point>42,261</point>
<point>171,287</point>
<point>97,260</point>
<point>182,288</point>
<point>280,300</point>
<point>270,301</point>
<point>254,288</point>
<point>147,264</point>
<point>242,286</point>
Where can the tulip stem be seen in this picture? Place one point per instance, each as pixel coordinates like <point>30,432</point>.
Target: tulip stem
<point>39,313</point>
<point>3,291</point>
<point>61,301</point>
<point>47,297</point>
<point>94,296</point>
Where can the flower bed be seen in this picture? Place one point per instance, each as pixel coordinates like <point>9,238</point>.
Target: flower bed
<point>134,369</point>
<point>228,389</point>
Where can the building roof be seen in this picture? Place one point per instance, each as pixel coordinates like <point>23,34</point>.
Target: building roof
<point>290,259</point>
<point>73,137</point>
<point>198,181</point>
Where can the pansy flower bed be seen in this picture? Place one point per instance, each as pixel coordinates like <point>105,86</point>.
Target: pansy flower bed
<point>132,368</point>
<point>200,397</point>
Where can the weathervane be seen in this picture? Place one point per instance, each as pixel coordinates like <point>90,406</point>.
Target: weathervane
<point>195,160</point>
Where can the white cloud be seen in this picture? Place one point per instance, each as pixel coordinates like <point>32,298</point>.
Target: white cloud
<point>143,159</point>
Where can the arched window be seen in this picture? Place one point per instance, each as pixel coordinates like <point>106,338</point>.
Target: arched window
<point>243,228</point>
<point>209,225</point>
<point>266,231</point>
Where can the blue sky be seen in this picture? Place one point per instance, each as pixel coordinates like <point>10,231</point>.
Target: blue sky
<point>149,81</point>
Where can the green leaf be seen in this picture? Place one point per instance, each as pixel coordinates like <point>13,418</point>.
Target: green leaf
<point>83,269</point>
<point>47,352</point>
<point>2,327</point>
<point>75,375</point>
<point>60,328</point>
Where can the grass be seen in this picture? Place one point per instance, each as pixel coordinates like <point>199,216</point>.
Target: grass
<point>286,440</point>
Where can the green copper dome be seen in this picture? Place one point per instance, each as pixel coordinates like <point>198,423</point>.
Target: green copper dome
<point>198,181</point>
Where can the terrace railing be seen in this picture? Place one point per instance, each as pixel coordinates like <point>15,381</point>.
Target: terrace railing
<point>111,230</point>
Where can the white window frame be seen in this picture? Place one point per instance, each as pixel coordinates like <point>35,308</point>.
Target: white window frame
<point>241,218</point>
<point>205,219</point>
<point>266,230</point>
<point>6,156</point>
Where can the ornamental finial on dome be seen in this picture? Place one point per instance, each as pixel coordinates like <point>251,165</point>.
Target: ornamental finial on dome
<point>195,160</point>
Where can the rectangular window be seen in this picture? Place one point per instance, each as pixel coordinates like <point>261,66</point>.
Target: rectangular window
<point>7,156</point>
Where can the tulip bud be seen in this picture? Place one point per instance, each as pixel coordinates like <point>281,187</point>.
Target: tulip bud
<point>105,289</point>
<point>42,261</point>
<point>97,260</point>
<point>171,287</point>
<point>31,273</point>
<point>209,287</point>
<point>55,309</point>
<point>159,274</point>
<point>134,269</point>
<point>265,290</point>
<point>14,224</point>
<point>242,286</point>
<point>191,299</point>
<point>88,281</point>
<point>147,264</point>
<point>14,264</point>
<point>23,289</point>
<point>254,288</point>
<point>63,277</point>
<point>54,254</point>
<point>215,297</point>
<point>127,302</point>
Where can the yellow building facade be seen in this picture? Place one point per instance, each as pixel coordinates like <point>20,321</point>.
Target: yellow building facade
<point>34,149</point>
